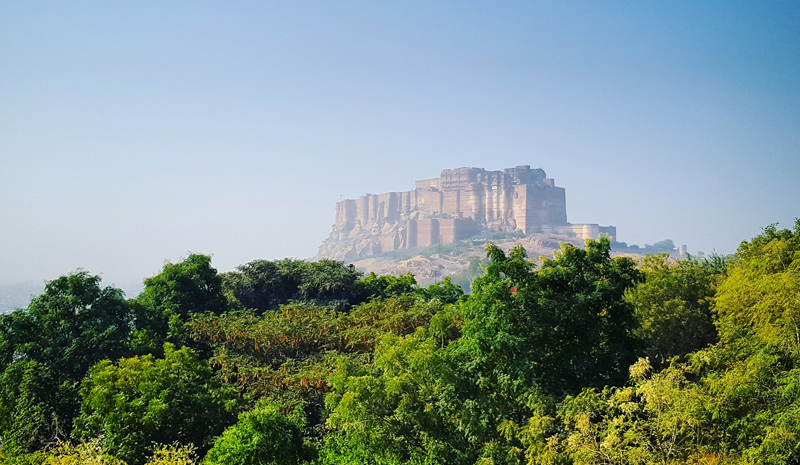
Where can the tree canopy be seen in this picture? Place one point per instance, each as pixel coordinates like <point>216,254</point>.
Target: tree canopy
<point>579,359</point>
<point>142,401</point>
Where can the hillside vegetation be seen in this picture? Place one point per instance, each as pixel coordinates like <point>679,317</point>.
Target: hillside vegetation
<point>577,359</point>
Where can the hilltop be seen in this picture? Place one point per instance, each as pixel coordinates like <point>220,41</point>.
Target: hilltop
<point>461,204</point>
<point>441,227</point>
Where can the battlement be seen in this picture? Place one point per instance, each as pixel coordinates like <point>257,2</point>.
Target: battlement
<point>460,179</point>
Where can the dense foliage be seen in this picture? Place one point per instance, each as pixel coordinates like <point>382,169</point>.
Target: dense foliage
<point>580,359</point>
<point>140,401</point>
<point>266,285</point>
<point>263,435</point>
<point>673,306</point>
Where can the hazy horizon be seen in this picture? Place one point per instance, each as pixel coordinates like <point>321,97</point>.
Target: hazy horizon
<point>133,134</point>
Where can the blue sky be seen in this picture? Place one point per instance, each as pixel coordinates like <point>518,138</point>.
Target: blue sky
<point>133,133</point>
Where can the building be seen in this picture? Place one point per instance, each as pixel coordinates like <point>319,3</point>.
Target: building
<point>459,204</point>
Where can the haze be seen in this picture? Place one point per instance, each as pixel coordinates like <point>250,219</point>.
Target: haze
<point>133,133</point>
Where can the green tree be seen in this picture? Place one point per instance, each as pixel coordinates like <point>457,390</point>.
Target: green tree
<point>174,454</point>
<point>734,402</point>
<point>327,281</point>
<point>374,286</point>
<point>30,408</point>
<point>445,291</point>
<point>169,299</point>
<point>191,286</point>
<point>91,452</point>
<point>654,420</point>
<point>263,436</point>
<point>266,285</point>
<point>46,349</point>
<point>673,307</point>
<point>142,401</point>
<point>527,333</point>
<point>399,411</point>
<point>72,325</point>
<point>534,333</point>
<point>561,327</point>
<point>751,377</point>
<point>360,449</point>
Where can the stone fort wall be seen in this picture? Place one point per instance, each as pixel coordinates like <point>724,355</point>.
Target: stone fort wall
<point>516,198</point>
<point>457,205</point>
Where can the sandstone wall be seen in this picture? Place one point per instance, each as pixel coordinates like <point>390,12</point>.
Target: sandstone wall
<point>457,205</point>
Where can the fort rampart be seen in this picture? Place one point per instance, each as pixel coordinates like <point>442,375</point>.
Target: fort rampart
<point>457,205</point>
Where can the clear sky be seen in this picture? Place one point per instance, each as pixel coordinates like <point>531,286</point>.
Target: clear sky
<point>135,132</point>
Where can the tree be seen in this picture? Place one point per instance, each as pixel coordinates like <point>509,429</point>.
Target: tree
<point>652,421</point>
<point>374,287</point>
<point>666,245</point>
<point>262,436</point>
<point>30,409</point>
<point>170,298</point>
<point>527,334</point>
<point>266,285</point>
<point>47,349</point>
<point>91,452</point>
<point>174,454</point>
<point>191,286</point>
<point>400,412</point>
<point>327,281</point>
<point>70,327</point>
<point>734,402</point>
<point>445,291</point>
<point>673,306</point>
<point>751,376</point>
<point>560,327</point>
<point>531,335</point>
<point>142,401</point>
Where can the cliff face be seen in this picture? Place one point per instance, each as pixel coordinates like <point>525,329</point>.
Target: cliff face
<point>459,204</point>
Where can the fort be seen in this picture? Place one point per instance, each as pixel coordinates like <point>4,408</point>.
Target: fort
<point>460,204</point>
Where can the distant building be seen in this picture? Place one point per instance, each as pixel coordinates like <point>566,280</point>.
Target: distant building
<point>457,205</point>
